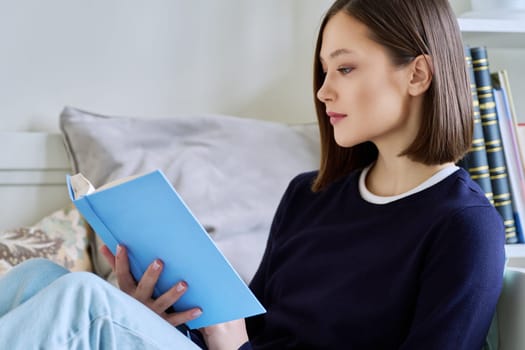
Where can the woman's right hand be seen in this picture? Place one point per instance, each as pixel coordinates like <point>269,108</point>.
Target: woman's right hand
<point>143,290</point>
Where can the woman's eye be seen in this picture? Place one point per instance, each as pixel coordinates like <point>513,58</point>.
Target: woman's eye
<point>344,70</point>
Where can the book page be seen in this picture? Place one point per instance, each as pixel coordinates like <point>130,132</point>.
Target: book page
<point>81,186</point>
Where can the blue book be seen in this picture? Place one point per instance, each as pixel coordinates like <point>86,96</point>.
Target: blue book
<point>475,161</point>
<point>148,216</point>
<point>511,149</point>
<point>493,144</point>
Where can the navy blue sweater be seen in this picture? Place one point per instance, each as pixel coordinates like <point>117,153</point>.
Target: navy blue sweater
<point>421,272</point>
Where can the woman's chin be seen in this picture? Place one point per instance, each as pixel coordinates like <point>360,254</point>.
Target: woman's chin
<point>345,141</point>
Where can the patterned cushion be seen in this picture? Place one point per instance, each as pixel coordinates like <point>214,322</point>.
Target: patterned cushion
<point>60,237</point>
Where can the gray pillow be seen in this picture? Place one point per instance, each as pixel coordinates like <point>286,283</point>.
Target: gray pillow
<point>231,171</point>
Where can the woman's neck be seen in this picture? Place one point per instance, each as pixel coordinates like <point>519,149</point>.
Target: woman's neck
<point>395,176</point>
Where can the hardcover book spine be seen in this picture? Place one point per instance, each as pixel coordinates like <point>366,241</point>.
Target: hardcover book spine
<point>505,84</point>
<point>511,150</point>
<point>475,161</point>
<point>495,156</point>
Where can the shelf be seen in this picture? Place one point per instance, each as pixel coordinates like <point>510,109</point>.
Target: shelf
<point>515,250</point>
<point>499,31</point>
<point>491,25</point>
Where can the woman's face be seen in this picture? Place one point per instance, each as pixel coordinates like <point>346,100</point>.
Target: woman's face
<point>365,95</point>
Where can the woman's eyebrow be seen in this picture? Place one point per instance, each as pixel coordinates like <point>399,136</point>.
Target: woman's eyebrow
<point>338,52</point>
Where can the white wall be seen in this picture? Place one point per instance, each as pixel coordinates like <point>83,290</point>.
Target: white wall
<point>156,58</point>
<point>151,58</point>
<point>460,6</point>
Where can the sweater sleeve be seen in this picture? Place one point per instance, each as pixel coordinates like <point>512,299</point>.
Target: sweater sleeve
<point>258,283</point>
<point>460,282</point>
<point>246,346</point>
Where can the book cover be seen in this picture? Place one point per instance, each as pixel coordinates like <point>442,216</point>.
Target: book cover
<point>148,216</point>
<point>511,152</point>
<point>505,85</point>
<point>491,131</point>
<point>475,161</point>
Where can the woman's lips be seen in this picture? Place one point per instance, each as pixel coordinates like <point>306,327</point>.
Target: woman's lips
<point>335,117</point>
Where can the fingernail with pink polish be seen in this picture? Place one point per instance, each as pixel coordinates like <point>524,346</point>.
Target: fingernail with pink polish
<point>196,313</point>
<point>180,286</point>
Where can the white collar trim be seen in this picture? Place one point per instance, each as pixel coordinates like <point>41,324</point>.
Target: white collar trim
<point>375,199</point>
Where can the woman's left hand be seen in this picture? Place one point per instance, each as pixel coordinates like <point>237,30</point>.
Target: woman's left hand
<point>143,289</point>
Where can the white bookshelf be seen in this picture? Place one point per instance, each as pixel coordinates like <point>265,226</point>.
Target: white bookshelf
<point>516,255</point>
<point>469,23</point>
<point>515,250</point>
<point>493,32</point>
<point>501,31</point>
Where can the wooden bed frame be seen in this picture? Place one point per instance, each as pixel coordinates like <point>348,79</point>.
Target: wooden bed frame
<point>33,166</point>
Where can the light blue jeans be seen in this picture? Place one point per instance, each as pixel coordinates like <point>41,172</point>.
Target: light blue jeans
<point>44,306</point>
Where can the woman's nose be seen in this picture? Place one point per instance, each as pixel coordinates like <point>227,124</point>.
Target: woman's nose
<point>325,93</point>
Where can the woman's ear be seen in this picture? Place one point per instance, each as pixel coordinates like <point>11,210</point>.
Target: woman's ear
<point>421,75</point>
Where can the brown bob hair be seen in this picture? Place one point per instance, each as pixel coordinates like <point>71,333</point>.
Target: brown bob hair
<point>407,29</point>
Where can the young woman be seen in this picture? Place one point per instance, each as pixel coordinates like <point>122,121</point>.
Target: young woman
<point>388,246</point>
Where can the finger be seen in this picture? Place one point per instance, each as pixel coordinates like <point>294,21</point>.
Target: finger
<point>108,255</point>
<point>124,278</point>
<point>148,281</point>
<point>178,318</point>
<point>163,302</point>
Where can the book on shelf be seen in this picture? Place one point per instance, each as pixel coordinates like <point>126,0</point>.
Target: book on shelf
<point>505,83</point>
<point>511,149</point>
<point>475,161</point>
<point>493,143</point>
<point>147,215</point>
<point>520,132</point>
